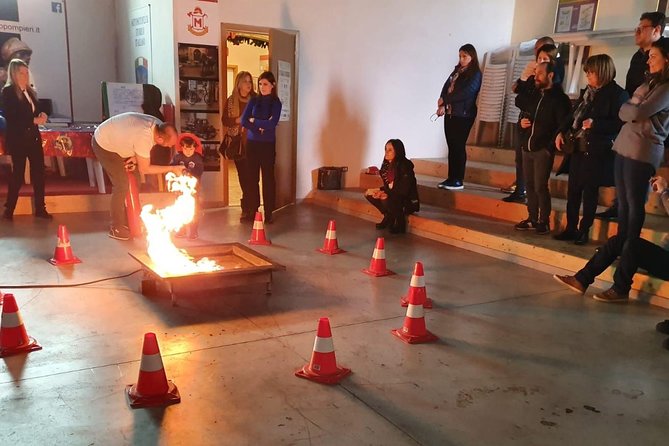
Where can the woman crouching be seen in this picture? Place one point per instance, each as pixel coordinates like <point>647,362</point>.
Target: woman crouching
<point>399,195</point>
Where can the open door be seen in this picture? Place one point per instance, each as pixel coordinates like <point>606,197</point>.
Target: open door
<point>282,60</point>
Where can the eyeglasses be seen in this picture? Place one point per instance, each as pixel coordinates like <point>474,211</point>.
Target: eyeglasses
<point>638,29</point>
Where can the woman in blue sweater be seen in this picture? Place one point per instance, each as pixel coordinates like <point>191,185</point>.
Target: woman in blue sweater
<point>260,118</point>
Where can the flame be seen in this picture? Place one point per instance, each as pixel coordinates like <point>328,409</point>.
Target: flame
<point>160,223</point>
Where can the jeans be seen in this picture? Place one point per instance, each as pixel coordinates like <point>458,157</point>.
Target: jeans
<point>457,131</point>
<point>260,156</point>
<point>632,186</point>
<point>520,179</point>
<point>114,165</point>
<point>537,169</point>
<point>635,253</point>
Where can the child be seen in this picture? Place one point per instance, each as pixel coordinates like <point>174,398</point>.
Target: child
<point>189,155</point>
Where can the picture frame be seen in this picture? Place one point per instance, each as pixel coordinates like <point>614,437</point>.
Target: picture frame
<point>575,16</point>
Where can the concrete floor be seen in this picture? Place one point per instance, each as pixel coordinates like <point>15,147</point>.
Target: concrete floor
<point>520,360</point>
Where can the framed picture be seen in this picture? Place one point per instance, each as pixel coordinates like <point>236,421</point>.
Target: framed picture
<point>575,16</point>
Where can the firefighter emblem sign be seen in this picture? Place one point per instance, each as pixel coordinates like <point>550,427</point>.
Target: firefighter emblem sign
<point>197,25</point>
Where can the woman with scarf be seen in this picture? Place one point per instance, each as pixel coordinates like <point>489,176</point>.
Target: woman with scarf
<point>589,133</point>
<point>399,195</point>
<point>232,125</point>
<point>457,104</point>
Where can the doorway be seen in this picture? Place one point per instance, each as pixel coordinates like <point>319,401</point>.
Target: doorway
<point>255,49</point>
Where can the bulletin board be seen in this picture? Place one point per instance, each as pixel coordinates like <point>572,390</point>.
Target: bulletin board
<point>120,98</point>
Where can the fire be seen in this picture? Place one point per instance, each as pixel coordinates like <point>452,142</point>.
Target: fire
<point>160,223</point>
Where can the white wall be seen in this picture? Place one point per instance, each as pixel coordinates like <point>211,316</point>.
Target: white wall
<point>92,39</point>
<point>163,55</point>
<point>372,70</point>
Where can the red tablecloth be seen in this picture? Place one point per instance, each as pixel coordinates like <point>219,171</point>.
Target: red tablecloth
<point>69,143</point>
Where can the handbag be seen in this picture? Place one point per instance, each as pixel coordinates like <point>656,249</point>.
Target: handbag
<point>232,147</point>
<point>575,141</point>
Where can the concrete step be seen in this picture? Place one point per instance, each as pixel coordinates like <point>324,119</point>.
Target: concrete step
<point>495,238</point>
<point>487,201</point>
<point>498,176</point>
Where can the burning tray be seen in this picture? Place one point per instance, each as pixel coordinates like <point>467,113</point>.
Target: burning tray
<point>241,266</point>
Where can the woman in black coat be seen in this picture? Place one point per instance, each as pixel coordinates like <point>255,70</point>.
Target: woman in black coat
<point>596,123</point>
<point>399,195</point>
<point>23,140</point>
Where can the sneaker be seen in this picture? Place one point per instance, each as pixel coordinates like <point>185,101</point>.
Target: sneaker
<point>511,189</point>
<point>121,233</point>
<point>611,295</point>
<point>455,185</point>
<point>525,225</point>
<point>571,282</point>
<point>543,228</point>
<point>515,198</point>
<point>566,235</point>
<point>444,183</point>
<point>663,327</point>
<point>609,214</point>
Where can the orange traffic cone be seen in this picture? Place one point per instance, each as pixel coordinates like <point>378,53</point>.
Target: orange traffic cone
<point>414,330</point>
<point>330,245</point>
<point>152,388</point>
<point>63,254</point>
<point>133,207</point>
<point>258,232</point>
<point>323,365</point>
<point>377,267</point>
<point>13,336</point>
<point>417,287</point>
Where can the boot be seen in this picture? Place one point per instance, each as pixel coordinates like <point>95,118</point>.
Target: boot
<point>399,226</point>
<point>383,224</point>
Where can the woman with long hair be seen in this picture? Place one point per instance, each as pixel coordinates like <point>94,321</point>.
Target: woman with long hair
<point>399,195</point>
<point>593,124</point>
<point>260,118</point>
<point>232,125</point>
<point>23,140</point>
<point>457,104</point>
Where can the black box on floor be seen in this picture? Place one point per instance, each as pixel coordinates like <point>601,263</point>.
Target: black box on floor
<point>329,177</point>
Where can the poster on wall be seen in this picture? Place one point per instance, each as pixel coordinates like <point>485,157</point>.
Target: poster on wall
<point>575,15</point>
<point>140,29</point>
<point>197,31</point>
<point>283,89</point>
<point>34,31</point>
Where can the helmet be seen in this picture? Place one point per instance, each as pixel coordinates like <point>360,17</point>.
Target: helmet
<point>12,46</point>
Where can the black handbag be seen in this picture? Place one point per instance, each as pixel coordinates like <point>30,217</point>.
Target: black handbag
<point>232,147</point>
<point>575,141</point>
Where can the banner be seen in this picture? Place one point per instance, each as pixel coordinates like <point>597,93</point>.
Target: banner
<point>140,28</point>
<point>34,31</point>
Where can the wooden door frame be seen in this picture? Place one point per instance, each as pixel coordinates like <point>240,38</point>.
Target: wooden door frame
<point>225,26</point>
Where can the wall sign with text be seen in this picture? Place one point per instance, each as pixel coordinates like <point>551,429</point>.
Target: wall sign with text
<point>575,15</point>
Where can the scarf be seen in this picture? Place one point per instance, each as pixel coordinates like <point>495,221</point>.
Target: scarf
<point>387,172</point>
<point>581,112</point>
<point>454,77</point>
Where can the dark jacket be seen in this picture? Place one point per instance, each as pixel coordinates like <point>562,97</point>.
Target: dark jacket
<point>547,111</point>
<point>605,127</point>
<point>194,165</point>
<point>404,193</point>
<point>636,74</point>
<point>266,111</point>
<point>22,133</point>
<point>463,98</point>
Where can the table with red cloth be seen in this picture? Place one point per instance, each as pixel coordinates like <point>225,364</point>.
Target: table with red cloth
<point>71,142</point>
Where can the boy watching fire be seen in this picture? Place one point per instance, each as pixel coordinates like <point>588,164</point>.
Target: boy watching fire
<point>189,155</point>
